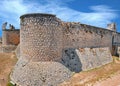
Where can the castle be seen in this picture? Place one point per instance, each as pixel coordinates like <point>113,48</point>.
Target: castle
<point>51,50</point>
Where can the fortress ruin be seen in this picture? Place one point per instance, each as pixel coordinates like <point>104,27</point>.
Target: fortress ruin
<point>10,38</point>
<point>51,50</point>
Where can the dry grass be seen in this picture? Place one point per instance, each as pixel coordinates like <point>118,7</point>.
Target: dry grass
<point>88,78</point>
<point>7,61</point>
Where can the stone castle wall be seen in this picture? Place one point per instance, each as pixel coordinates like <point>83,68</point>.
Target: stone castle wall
<point>82,59</point>
<point>117,38</point>
<point>79,35</point>
<point>40,49</point>
<point>86,47</point>
<point>40,37</point>
<point>50,49</point>
<point>10,37</point>
<point>10,40</point>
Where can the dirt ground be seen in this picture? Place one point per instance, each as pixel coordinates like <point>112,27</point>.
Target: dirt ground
<point>107,75</point>
<point>7,61</point>
<point>112,81</point>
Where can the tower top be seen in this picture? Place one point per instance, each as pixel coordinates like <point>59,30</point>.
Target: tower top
<point>37,14</point>
<point>111,26</point>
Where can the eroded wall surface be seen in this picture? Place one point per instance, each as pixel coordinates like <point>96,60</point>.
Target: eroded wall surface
<point>10,37</point>
<point>117,38</point>
<point>40,50</point>
<point>41,38</point>
<point>79,35</point>
<point>10,40</point>
<point>83,59</point>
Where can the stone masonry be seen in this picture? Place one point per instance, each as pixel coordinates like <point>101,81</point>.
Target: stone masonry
<point>10,38</point>
<point>51,50</point>
<point>41,37</point>
<point>40,52</point>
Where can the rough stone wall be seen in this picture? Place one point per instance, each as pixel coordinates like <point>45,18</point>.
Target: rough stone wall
<point>82,59</point>
<point>10,37</point>
<point>39,73</point>
<point>112,27</point>
<point>41,37</point>
<point>50,50</point>
<point>116,43</point>
<point>7,49</point>
<point>17,51</point>
<point>0,40</point>
<point>80,36</point>
<point>40,50</point>
<point>117,38</point>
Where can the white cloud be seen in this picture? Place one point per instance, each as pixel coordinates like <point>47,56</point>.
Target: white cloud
<point>102,8</point>
<point>12,9</point>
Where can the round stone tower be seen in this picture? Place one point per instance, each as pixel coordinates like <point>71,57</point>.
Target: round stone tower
<point>40,37</point>
<point>40,52</point>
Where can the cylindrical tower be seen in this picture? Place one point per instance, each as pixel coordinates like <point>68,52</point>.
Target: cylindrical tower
<point>40,52</point>
<point>41,37</point>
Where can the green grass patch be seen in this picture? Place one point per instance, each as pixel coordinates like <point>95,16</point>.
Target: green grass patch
<point>10,84</point>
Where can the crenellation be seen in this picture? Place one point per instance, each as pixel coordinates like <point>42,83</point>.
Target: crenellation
<point>4,26</point>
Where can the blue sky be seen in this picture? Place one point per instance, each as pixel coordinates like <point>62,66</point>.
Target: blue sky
<point>93,12</point>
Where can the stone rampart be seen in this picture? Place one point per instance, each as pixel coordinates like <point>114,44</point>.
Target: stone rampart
<point>10,37</point>
<point>10,40</point>
<point>40,52</point>
<point>41,37</point>
<point>50,49</point>
<point>76,35</point>
<point>80,35</point>
<point>82,59</point>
